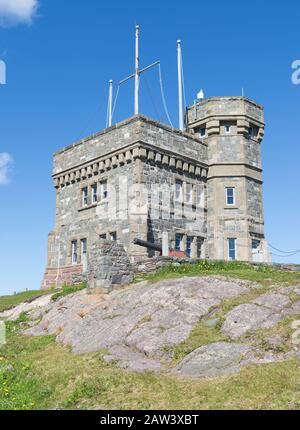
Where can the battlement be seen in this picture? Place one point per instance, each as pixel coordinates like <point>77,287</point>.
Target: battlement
<point>213,114</point>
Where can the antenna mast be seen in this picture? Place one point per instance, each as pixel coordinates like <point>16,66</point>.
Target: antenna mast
<point>110,103</point>
<point>137,72</point>
<point>180,93</point>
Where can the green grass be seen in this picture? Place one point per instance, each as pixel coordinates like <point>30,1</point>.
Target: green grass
<point>264,274</point>
<point>46,376</point>
<point>8,302</point>
<point>67,290</point>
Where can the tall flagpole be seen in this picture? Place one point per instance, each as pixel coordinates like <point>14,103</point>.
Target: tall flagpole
<point>137,74</point>
<point>180,95</point>
<point>110,103</point>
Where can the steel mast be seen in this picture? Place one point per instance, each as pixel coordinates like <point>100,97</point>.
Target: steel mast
<point>180,92</point>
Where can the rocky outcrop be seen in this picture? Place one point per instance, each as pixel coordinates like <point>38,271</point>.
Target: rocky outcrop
<point>39,303</point>
<point>144,319</point>
<point>216,359</point>
<point>139,326</point>
<point>262,313</point>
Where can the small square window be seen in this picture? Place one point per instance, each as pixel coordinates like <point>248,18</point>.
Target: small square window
<point>230,196</point>
<point>103,236</point>
<point>227,128</point>
<point>253,131</point>
<point>202,132</point>
<point>255,244</point>
<point>113,236</point>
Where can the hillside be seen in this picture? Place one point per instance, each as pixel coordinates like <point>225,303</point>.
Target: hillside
<point>222,336</point>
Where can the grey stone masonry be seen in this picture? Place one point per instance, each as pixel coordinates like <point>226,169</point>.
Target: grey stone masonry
<point>108,265</point>
<point>140,179</point>
<point>233,129</point>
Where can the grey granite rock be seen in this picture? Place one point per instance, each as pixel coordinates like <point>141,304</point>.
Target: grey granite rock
<point>143,320</point>
<point>216,359</point>
<point>33,305</point>
<point>273,301</point>
<point>250,316</point>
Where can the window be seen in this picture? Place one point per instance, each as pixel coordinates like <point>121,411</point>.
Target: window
<point>178,190</point>
<point>255,244</point>
<point>199,247</point>
<point>202,132</point>
<point>104,191</point>
<point>232,249</point>
<point>189,193</point>
<point>85,196</point>
<point>189,242</point>
<point>94,193</point>
<point>84,260</point>
<point>74,252</point>
<point>200,196</point>
<point>227,128</point>
<point>113,236</point>
<point>178,242</point>
<point>83,247</point>
<point>253,131</point>
<point>103,236</point>
<point>230,196</point>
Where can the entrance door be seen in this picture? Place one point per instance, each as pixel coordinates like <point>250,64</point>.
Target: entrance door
<point>256,254</point>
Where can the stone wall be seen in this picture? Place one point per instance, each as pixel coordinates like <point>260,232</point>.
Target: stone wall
<point>108,266</point>
<point>56,277</point>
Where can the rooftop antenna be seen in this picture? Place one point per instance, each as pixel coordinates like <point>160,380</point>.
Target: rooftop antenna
<point>138,71</point>
<point>180,89</point>
<point>137,67</point>
<point>110,103</point>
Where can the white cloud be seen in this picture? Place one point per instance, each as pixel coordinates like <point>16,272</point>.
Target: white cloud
<point>17,11</point>
<point>5,166</point>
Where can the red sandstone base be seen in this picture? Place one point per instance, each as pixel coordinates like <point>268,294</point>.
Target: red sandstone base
<point>58,277</point>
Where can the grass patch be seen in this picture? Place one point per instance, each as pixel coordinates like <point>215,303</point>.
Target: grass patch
<point>264,274</point>
<point>37,373</point>
<point>66,290</point>
<point>202,333</point>
<point>43,375</point>
<point>9,302</point>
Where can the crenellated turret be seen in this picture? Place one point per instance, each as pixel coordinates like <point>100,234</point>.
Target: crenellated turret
<point>232,128</point>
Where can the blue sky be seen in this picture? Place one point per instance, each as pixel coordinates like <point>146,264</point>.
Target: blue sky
<point>59,59</point>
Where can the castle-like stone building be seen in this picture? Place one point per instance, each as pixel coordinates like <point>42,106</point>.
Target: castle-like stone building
<point>141,179</point>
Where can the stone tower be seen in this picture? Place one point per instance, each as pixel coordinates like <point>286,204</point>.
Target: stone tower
<point>233,129</point>
<point>141,180</point>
